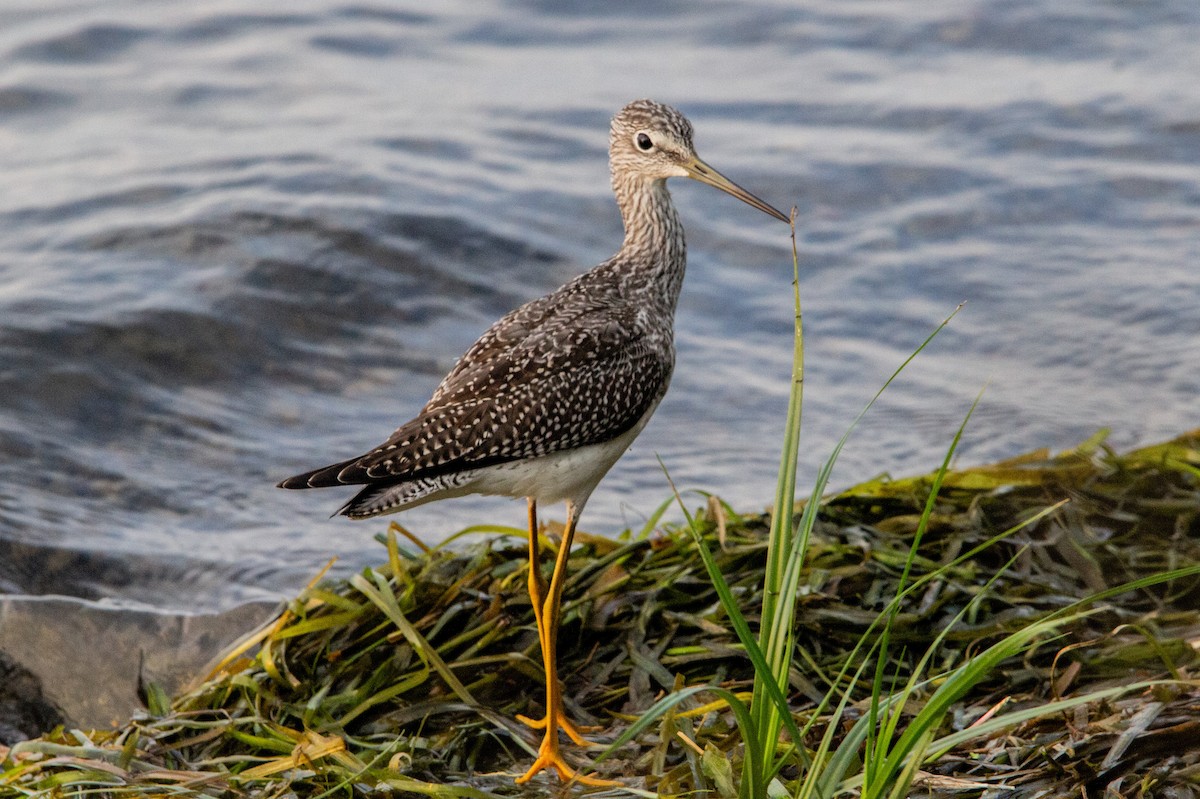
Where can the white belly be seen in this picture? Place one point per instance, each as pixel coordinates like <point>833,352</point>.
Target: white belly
<point>569,475</point>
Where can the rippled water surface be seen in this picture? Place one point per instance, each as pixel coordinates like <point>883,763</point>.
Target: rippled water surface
<point>240,240</point>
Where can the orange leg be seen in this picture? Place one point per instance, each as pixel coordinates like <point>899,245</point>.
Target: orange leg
<point>547,603</point>
<point>537,594</point>
<point>537,583</point>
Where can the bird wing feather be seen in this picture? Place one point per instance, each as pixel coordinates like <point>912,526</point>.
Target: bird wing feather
<point>556,374</point>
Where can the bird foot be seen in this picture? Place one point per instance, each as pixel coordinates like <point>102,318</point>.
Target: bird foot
<point>574,732</point>
<point>550,757</point>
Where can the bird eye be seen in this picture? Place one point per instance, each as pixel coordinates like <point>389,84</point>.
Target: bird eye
<point>644,143</point>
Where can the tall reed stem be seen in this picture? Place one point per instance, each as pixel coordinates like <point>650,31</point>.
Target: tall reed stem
<point>776,636</point>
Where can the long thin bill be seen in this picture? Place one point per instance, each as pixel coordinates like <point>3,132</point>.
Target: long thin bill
<point>704,173</point>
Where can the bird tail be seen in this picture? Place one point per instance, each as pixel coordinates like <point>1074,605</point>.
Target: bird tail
<point>321,478</point>
<point>376,499</point>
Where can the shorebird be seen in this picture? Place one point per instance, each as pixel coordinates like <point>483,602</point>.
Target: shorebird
<point>550,396</point>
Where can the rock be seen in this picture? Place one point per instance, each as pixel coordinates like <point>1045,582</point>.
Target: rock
<point>24,711</point>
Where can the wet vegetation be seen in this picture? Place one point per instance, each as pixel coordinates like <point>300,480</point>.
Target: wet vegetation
<point>407,677</point>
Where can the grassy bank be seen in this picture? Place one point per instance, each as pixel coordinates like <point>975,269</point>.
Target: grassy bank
<point>407,677</point>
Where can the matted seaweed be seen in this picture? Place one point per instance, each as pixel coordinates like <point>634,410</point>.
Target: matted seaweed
<point>407,676</point>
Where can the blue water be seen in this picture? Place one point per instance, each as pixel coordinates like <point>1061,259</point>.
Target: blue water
<point>237,243</point>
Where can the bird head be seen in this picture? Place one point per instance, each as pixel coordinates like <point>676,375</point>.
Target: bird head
<point>652,141</point>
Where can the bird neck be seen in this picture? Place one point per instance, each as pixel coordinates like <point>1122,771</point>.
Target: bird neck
<point>654,252</point>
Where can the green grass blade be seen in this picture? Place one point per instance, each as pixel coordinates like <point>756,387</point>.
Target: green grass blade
<point>776,636</point>
<point>737,620</point>
<point>380,593</point>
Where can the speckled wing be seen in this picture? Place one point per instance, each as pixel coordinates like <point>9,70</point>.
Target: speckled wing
<point>559,373</point>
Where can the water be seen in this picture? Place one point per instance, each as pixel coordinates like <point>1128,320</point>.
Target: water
<point>238,243</point>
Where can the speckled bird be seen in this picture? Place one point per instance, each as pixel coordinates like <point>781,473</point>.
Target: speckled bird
<point>547,400</point>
